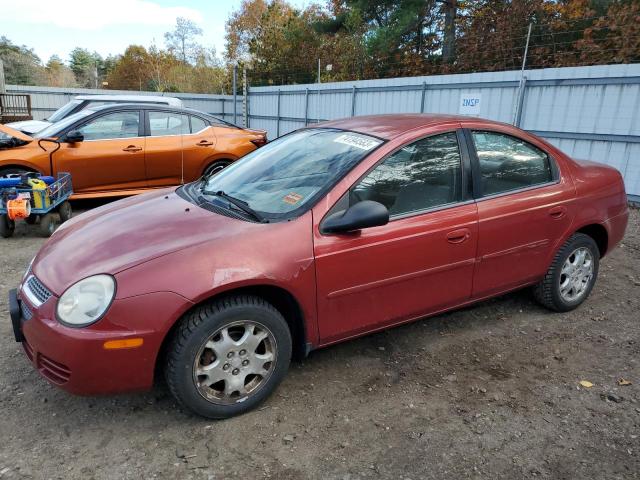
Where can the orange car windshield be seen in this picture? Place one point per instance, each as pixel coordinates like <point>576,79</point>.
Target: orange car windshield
<point>288,174</point>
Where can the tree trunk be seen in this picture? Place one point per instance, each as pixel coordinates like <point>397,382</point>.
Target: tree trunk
<point>449,41</point>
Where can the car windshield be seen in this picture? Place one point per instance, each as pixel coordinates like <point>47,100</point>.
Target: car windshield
<point>281,178</point>
<point>63,111</point>
<point>54,129</point>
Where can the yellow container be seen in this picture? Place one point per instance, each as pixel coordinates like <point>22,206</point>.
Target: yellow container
<point>40,197</point>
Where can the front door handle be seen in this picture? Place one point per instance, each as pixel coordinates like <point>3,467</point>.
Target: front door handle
<point>204,143</point>
<point>132,148</point>
<point>558,212</point>
<point>459,236</point>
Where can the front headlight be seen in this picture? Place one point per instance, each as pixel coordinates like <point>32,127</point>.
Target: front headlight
<point>87,301</point>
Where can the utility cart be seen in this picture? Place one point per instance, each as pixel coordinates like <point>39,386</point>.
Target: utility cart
<point>32,197</point>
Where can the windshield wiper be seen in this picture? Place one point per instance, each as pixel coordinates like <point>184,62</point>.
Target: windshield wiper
<point>241,204</point>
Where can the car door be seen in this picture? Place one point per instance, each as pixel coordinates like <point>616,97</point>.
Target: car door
<point>199,147</point>
<point>523,209</point>
<point>164,154</point>
<point>420,262</point>
<point>109,158</point>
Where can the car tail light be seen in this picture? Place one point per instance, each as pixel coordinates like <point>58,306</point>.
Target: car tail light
<point>259,142</point>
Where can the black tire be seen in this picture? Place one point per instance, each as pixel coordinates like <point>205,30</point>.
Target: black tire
<point>216,167</point>
<point>31,219</point>
<point>548,291</point>
<point>189,344</point>
<point>7,227</point>
<point>48,224</point>
<point>65,211</point>
<point>14,171</point>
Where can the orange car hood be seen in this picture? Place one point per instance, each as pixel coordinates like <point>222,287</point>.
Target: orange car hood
<point>15,133</point>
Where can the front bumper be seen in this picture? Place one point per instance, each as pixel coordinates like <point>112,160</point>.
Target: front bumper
<point>75,359</point>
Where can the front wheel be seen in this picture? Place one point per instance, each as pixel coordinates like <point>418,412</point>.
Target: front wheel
<point>571,276</point>
<point>228,356</point>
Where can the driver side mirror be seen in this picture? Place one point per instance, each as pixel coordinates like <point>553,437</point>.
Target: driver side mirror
<point>364,214</point>
<point>74,136</point>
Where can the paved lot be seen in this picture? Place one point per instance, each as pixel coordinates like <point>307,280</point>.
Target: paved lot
<point>487,392</point>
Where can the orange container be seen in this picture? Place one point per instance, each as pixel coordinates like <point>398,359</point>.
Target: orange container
<point>18,208</point>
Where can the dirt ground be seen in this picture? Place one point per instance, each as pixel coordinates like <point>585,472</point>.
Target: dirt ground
<point>490,391</point>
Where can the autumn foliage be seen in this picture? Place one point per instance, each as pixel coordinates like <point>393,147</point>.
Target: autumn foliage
<point>354,39</point>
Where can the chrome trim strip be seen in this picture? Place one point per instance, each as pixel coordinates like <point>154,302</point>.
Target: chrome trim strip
<point>27,292</point>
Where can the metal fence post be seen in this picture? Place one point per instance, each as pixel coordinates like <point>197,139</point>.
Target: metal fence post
<point>424,92</point>
<point>222,102</point>
<point>278,116</point>
<point>235,93</point>
<point>306,107</point>
<point>520,105</point>
<point>353,101</point>
<point>2,84</point>
<point>245,102</point>
<point>523,82</point>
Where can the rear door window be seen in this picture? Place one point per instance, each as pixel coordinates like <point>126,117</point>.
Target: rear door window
<point>509,163</point>
<point>198,124</point>
<point>167,123</point>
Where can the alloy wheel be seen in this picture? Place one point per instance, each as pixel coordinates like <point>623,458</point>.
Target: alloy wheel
<point>235,362</point>
<point>576,274</point>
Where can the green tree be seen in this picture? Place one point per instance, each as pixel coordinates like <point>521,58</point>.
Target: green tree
<point>21,65</point>
<point>58,74</point>
<point>86,66</point>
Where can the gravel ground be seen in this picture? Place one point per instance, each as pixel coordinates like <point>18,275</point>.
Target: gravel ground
<point>490,391</point>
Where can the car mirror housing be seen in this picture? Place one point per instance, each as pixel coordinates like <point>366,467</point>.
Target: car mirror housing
<point>74,136</point>
<point>364,214</point>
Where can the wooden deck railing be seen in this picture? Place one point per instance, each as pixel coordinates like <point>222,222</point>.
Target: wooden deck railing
<point>15,107</point>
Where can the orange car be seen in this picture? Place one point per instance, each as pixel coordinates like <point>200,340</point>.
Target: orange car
<point>114,150</point>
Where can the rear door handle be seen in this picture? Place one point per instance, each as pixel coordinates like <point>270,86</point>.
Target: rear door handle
<point>459,236</point>
<point>132,148</point>
<point>204,143</point>
<point>558,212</point>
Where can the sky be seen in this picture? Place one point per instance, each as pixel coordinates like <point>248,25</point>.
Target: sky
<point>108,27</point>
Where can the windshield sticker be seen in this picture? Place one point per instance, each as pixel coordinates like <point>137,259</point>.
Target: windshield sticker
<point>292,198</point>
<point>362,143</point>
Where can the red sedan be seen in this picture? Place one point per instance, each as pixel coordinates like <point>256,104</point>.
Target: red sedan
<point>325,234</point>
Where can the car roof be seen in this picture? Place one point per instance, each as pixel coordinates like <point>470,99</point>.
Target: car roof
<point>132,98</point>
<point>391,125</point>
<point>148,106</point>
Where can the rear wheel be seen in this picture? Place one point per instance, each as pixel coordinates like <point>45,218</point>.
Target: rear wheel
<point>7,226</point>
<point>228,356</point>
<point>571,276</point>
<point>216,167</point>
<point>48,224</point>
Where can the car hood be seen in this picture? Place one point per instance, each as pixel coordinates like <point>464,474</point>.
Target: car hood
<point>126,233</point>
<point>29,126</point>
<point>12,132</point>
